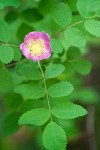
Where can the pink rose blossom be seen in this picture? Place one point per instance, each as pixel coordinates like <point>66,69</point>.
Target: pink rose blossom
<point>36,46</point>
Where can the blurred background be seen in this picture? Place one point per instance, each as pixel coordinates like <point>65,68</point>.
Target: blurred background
<point>83,133</point>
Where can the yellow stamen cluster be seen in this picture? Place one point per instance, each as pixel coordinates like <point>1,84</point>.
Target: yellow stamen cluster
<point>36,47</point>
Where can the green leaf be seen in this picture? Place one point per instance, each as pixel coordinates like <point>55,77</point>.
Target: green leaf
<point>88,96</point>
<point>29,70</point>
<point>13,100</point>
<point>82,66</point>
<point>56,46</point>
<point>69,69</point>
<point>43,26</point>
<point>5,3</point>
<point>73,53</point>
<point>31,104</point>
<point>88,8</point>
<point>10,125</point>
<point>72,5</point>
<point>32,15</point>
<point>5,32</point>
<point>39,141</point>
<point>45,7</point>
<point>60,89</point>
<point>11,17</point>
<point>17,54</point>
<point>23,30</point>
<point>62,15</point>
<point>85,95</point>
<point>6,54</point>
<point>70,127</point>
<point>93,27</point>
<point>6,81</point>
<point>68,110</point>
<point>17,79</point>
<point>37,117</point>
<point>54,137</point>
<point>53,70</point>
<point>30,91</point>
<point>74,37</point>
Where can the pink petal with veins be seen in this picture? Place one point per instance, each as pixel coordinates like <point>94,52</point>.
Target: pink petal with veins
<point>34,51</point>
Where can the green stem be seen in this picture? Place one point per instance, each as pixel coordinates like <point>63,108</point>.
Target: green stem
<point>13,64</point>
<point>74,24</point>
<point>45,86</point>
<point>9,44</point>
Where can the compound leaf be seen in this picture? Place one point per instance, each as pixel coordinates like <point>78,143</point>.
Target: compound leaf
<point>14,3</point>
<point>30,91</point>
<point>54,137</point>
<point>60,89</point>
<point>62,14</point>
<point>10,125</point>
<point>93,27</point>
<point>6,54</point>
<point>37,116</point>
<point>5,32</point>
<point>6,81</point>
<point>74,37</point>
<point>82,66</point>
<point>68,110</point>
<point>56,46</point>
<point>28,70</point>
<point>88,8</point>
<point>54,70</point>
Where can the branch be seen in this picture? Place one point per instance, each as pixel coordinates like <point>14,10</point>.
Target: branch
<point>74,24</point>
<point>14,45</point>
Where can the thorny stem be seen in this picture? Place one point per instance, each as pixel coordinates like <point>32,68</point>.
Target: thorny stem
<point>45,86</point>
<point>9,44</point>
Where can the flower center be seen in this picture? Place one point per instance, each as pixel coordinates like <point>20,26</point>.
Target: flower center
<point>36,47</point>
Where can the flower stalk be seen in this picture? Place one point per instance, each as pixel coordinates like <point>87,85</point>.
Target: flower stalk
<point>45,86</point>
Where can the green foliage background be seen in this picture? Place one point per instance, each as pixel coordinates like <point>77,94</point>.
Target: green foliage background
<point>72,25</point>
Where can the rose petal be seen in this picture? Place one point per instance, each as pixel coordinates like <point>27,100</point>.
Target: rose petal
<point>29,39</point>
<point>25,50</point>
